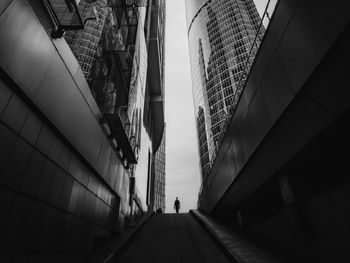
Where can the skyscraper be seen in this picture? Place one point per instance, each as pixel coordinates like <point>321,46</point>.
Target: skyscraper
<point>223,35</point>
<point>159,176</point>
<point>203,142</point>
<point>156,82</point>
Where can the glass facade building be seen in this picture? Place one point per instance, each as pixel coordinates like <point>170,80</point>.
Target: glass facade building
<point>85,43</point>
<point>159,175</point>
<point>223,35</point>
<point>156,83</point>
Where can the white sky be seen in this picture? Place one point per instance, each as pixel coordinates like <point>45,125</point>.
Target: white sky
<point>182,161</point>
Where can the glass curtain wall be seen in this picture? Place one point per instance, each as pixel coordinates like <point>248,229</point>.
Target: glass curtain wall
<point>224,37</point>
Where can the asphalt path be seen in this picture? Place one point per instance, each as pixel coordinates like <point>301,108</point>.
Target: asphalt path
<point>172,238</point>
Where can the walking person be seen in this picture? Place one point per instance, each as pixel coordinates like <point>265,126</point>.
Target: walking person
<point>177,205</point>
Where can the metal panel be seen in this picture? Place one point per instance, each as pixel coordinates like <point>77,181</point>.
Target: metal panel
<point>332,17</point>
<point>45,186</point>
<point>274,34</point>
<point>277,89</point>
<point>104,158</point>
<point>33,173</point>
<point>73,166</point>
<point>304,37</point>
<point>248,138</point>
<point>5,95</point>
<point>65,157</point>
<point>79,175</point>
<point>74,197</point>
<point>64,105</point>
<point>66,192</point>
<point>227,172</point>
<point>57,185</point>
<point>7,141</point>
<point>18,212</point>
<point>113,168</point>
<point>93,184</point>
<point>119,181</point>
<point>282,143</point>
<point>259,116</point>
<point>19,161</point>
<point>45,140</point>
<point>85,91</point>
<point>239,157</point>
<point>85,176</point>
<point>25,46</point>
<point>79,209</point>
<point>67,55</point>
<point>56,149</point>
<point>15,113</point>
<point>335,95</point>
<point>251,86</point>
<point>31,128</point>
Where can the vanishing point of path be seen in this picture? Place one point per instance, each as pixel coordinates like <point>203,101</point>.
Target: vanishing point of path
<point>172,238</point>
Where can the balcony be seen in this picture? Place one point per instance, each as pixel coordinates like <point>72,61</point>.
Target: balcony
<point>125,139</point>
<point>65,16</point>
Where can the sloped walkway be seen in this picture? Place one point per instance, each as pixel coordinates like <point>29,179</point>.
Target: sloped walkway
<point>239,249</point>
<point>118,244</point>
<point>172,238</point>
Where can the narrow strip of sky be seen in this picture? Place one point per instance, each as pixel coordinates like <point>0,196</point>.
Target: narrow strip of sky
<point>182,163</point>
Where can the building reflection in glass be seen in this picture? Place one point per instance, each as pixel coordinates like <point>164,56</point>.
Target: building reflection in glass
<point>223,35</point>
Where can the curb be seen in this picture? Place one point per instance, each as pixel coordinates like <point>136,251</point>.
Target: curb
<point>117,245</point>
<point>236,247</point>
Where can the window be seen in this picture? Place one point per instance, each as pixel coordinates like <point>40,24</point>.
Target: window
<point>65,15</point>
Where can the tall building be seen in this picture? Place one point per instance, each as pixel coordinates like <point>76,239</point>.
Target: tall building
<point>81,119</point>
<point>85,43</point>
<point>222,35</point>
<point>203,141</point>
<point>160,176</point>
<point>156,82</point>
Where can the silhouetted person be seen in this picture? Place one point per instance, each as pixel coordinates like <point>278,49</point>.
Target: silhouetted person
<point>177,205</point>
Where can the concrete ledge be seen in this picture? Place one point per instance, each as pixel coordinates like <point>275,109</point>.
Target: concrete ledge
<point>115,246</point>
<point>237,248</point>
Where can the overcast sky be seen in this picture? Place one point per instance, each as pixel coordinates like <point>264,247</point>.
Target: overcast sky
<point>182,161</point>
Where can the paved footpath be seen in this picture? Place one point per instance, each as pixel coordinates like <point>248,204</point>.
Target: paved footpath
<point>172,238</point>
